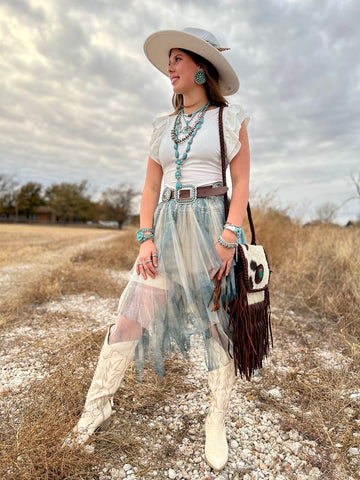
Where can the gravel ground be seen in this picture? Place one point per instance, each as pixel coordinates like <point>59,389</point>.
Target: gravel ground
<point>259,448</point>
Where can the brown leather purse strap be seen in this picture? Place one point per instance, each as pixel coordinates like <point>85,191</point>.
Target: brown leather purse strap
<point>223,156</point>
<point>223,170</point>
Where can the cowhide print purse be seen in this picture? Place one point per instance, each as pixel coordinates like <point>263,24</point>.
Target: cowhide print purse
<point>249,312</point>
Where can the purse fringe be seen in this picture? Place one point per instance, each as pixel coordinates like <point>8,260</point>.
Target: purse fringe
<point>250,330</point>
<point>249,327</point>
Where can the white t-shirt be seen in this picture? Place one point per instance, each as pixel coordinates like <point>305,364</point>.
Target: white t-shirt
<point>203,163</point>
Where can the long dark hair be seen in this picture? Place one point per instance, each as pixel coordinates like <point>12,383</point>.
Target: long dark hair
<point>211,85</point>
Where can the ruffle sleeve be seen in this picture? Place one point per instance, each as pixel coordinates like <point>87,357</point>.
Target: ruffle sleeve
<point>234,115</point>
<point>159,125</point>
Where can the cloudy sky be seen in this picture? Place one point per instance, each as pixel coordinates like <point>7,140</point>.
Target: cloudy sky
<point>77,95</point>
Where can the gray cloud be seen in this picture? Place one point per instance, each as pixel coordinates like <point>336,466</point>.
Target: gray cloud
<point>78,95</point>
<point>24,10</point>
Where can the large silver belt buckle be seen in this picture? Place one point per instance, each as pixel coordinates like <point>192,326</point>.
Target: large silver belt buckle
<point>192,189</point>
<point>166,195</point>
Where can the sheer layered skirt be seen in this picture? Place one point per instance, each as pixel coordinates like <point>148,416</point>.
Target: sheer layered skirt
<point>164,312</point>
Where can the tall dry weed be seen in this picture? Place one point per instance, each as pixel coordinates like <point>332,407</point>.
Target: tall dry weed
<point>316,267</point>
<point>322,275</point>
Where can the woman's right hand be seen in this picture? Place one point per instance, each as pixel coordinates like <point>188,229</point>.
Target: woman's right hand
<point>148,260</point>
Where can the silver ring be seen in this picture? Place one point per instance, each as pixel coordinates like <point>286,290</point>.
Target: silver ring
<point>140,263</point>
<point>147,261</point>
<point>155,255</point>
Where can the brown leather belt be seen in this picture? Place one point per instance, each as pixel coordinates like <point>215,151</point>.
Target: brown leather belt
<point>201,192</point>
<point>189,193</point>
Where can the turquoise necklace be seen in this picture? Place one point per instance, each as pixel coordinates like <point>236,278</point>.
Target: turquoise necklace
<point>187,117</point>
<point>190,134</point>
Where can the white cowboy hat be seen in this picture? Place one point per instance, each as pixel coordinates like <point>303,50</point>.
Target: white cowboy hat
<point>158,45</point>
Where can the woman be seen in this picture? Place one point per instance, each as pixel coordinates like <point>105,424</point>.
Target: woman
<point>185,241</point>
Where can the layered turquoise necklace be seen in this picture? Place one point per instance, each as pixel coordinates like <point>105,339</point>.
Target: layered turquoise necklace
<point>190,132</point>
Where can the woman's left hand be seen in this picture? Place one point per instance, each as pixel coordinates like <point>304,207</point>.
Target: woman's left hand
<point>226,255</point>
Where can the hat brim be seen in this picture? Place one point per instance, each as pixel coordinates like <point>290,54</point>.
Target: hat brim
<point>158,45</point>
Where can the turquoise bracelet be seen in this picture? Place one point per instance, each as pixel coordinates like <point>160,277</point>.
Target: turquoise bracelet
<point>234,228</point>
<point>144,234</point>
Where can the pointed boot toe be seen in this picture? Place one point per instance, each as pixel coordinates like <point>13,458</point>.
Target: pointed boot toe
<point>216,447</point>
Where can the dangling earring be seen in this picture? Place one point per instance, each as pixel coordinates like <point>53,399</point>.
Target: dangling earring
<point>199,77</point>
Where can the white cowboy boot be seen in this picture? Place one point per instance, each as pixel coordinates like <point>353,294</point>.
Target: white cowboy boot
<point>221,382</point>
<point>112,364</point>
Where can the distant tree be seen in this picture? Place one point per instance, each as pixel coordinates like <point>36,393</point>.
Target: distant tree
<point>326,213</point>
<point>8,195</point>
<point>30,198</point>
<point>356,181</point>
<point>70,202</point>
<point>116,203</point>
<point>6,183</point>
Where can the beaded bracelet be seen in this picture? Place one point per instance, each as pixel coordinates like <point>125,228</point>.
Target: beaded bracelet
<point>226,244</point>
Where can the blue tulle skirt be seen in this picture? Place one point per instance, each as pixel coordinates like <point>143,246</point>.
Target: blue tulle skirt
<point>178,302</point>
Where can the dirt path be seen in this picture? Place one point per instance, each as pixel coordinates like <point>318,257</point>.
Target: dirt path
<point>17,274</point>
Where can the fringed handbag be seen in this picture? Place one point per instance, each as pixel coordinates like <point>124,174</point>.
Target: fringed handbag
<point>249,312</point>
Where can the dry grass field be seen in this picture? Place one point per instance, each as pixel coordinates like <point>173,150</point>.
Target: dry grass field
<point>58,288</point>
<point>25,242</point>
